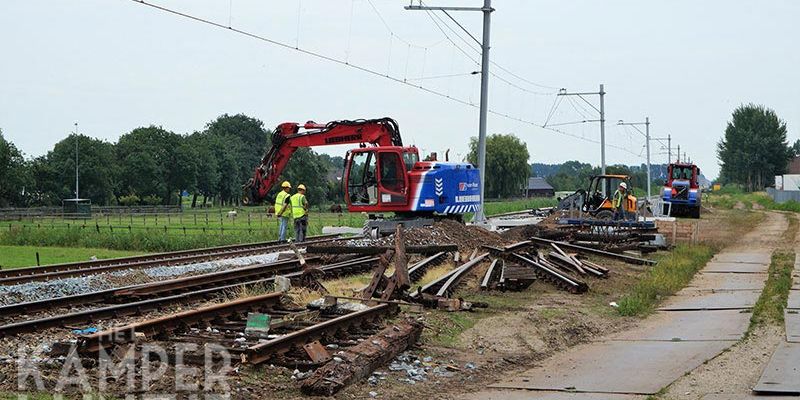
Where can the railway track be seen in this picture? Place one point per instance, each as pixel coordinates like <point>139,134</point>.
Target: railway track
<point>165,293</point>
<point>223,324</point>
<point>56,271</point>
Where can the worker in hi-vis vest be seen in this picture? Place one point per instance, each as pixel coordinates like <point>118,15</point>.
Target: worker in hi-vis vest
<point>300,213</point>
<point>283,209</point>
<point>618,201</point>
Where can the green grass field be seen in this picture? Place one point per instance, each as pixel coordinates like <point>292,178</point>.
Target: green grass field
<point>190,229</point>
<point>25,256</point>
<point>729,198</point>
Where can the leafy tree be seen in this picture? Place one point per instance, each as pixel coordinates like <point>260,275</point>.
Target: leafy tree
<point>14,174</point>
<point>796,148</point>
<point>207,173</point>
<point>754,148</point>
<point>245,141</point>
<point>156,163</point>
<point>507,166</point>
<point>97,169</point>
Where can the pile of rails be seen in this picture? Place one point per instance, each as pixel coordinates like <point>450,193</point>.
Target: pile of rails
<point>296,337</point>
<point>562,264</point>
<point>341,340</point>
<point>611,236</point>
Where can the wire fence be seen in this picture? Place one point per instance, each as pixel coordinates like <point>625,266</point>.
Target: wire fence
<point>208,222</point>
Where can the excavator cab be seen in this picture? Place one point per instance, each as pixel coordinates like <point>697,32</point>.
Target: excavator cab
<point>376,178</point>
<point>596,199</point>
<point>600,192</point>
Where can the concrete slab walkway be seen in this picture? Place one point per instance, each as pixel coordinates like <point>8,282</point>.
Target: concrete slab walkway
<point>782,373</point>
<point>695,325</point>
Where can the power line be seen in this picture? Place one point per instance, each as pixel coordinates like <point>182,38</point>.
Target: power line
<point>461,26</point>
<point>351,65</point>
<point>435,17</point>
<point>423,78</point>
<point>391,31</point>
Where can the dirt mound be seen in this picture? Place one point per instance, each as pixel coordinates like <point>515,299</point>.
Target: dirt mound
<point>466,237</point>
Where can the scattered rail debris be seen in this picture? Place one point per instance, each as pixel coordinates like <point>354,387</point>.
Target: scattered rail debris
<point>359,361</point>
<point>338,339</point>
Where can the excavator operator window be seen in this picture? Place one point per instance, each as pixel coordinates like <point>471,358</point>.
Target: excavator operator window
<point>392,178</point>
<point>362,184</point>
<point>410,159</point>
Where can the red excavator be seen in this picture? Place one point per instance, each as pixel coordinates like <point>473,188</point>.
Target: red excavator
<point>380,176</point>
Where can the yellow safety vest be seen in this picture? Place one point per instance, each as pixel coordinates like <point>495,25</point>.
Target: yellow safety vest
<point>617,201</point>
<point>298,210</point>
<point>280,199</point>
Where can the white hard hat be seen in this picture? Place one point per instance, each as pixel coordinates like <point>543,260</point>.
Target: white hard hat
<point>623,185</point>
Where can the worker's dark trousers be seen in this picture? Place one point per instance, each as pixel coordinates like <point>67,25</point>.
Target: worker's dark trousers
<point>300,227</point>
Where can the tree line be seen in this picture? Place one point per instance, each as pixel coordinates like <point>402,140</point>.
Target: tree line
<point>754,148</point>
<point>573,175</point>
<point>152,165</point>
<point>508,169</point>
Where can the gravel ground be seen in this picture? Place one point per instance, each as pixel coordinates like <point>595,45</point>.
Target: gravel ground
<point>33,291</point>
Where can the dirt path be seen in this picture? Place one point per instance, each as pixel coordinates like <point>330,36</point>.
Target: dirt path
<point>737,370</point>
<point>676,342</point>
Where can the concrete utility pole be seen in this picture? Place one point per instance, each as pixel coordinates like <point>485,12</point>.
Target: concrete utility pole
<point>76,161</point>
<point>669,146</point>
<point>646,134</point>
<point>602,120</point>
<point>484,106</point>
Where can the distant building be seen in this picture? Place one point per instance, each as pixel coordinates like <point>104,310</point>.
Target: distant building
<point>538,187</point>
<point>794,166</point>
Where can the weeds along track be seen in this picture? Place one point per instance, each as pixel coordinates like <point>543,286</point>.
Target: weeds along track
<point>22,275</point>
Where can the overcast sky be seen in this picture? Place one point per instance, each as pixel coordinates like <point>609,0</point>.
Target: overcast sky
<point>114,65</point>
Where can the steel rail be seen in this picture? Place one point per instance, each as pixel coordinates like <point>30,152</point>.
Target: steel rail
<point>19,275</point>
<point>435,286</point>
<point>552,275</point>
<point>262,352</point>
<point>141,306</point>
<point>169,323</point>
<point>176,283</point>
<point>214,278</point>
<point>490,273</point>
<point>589,250</point>
<point>418,270</point>
<point>372,250</point>
<point>447,288</point>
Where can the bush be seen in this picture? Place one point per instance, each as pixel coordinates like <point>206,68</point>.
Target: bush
<point>129,200</point>
<point>151,200</point>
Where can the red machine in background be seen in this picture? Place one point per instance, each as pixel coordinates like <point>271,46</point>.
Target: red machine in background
<point>681,194</point>
<point>380,176</point>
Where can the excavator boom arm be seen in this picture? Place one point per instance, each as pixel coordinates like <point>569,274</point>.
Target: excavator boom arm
<point>288,137</point>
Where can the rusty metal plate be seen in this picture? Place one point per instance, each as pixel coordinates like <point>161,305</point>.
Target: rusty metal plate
<point>617,367</point>
<point>738,268</point>
<point>750,258</point>
<point>794,299</point>
<point>782,373</point>
<point>692,300</point>
<point>690,325</point>
<point>792,321</point>
<point>719,281</point>
<point>317,352</point>
<point>546,395</point>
